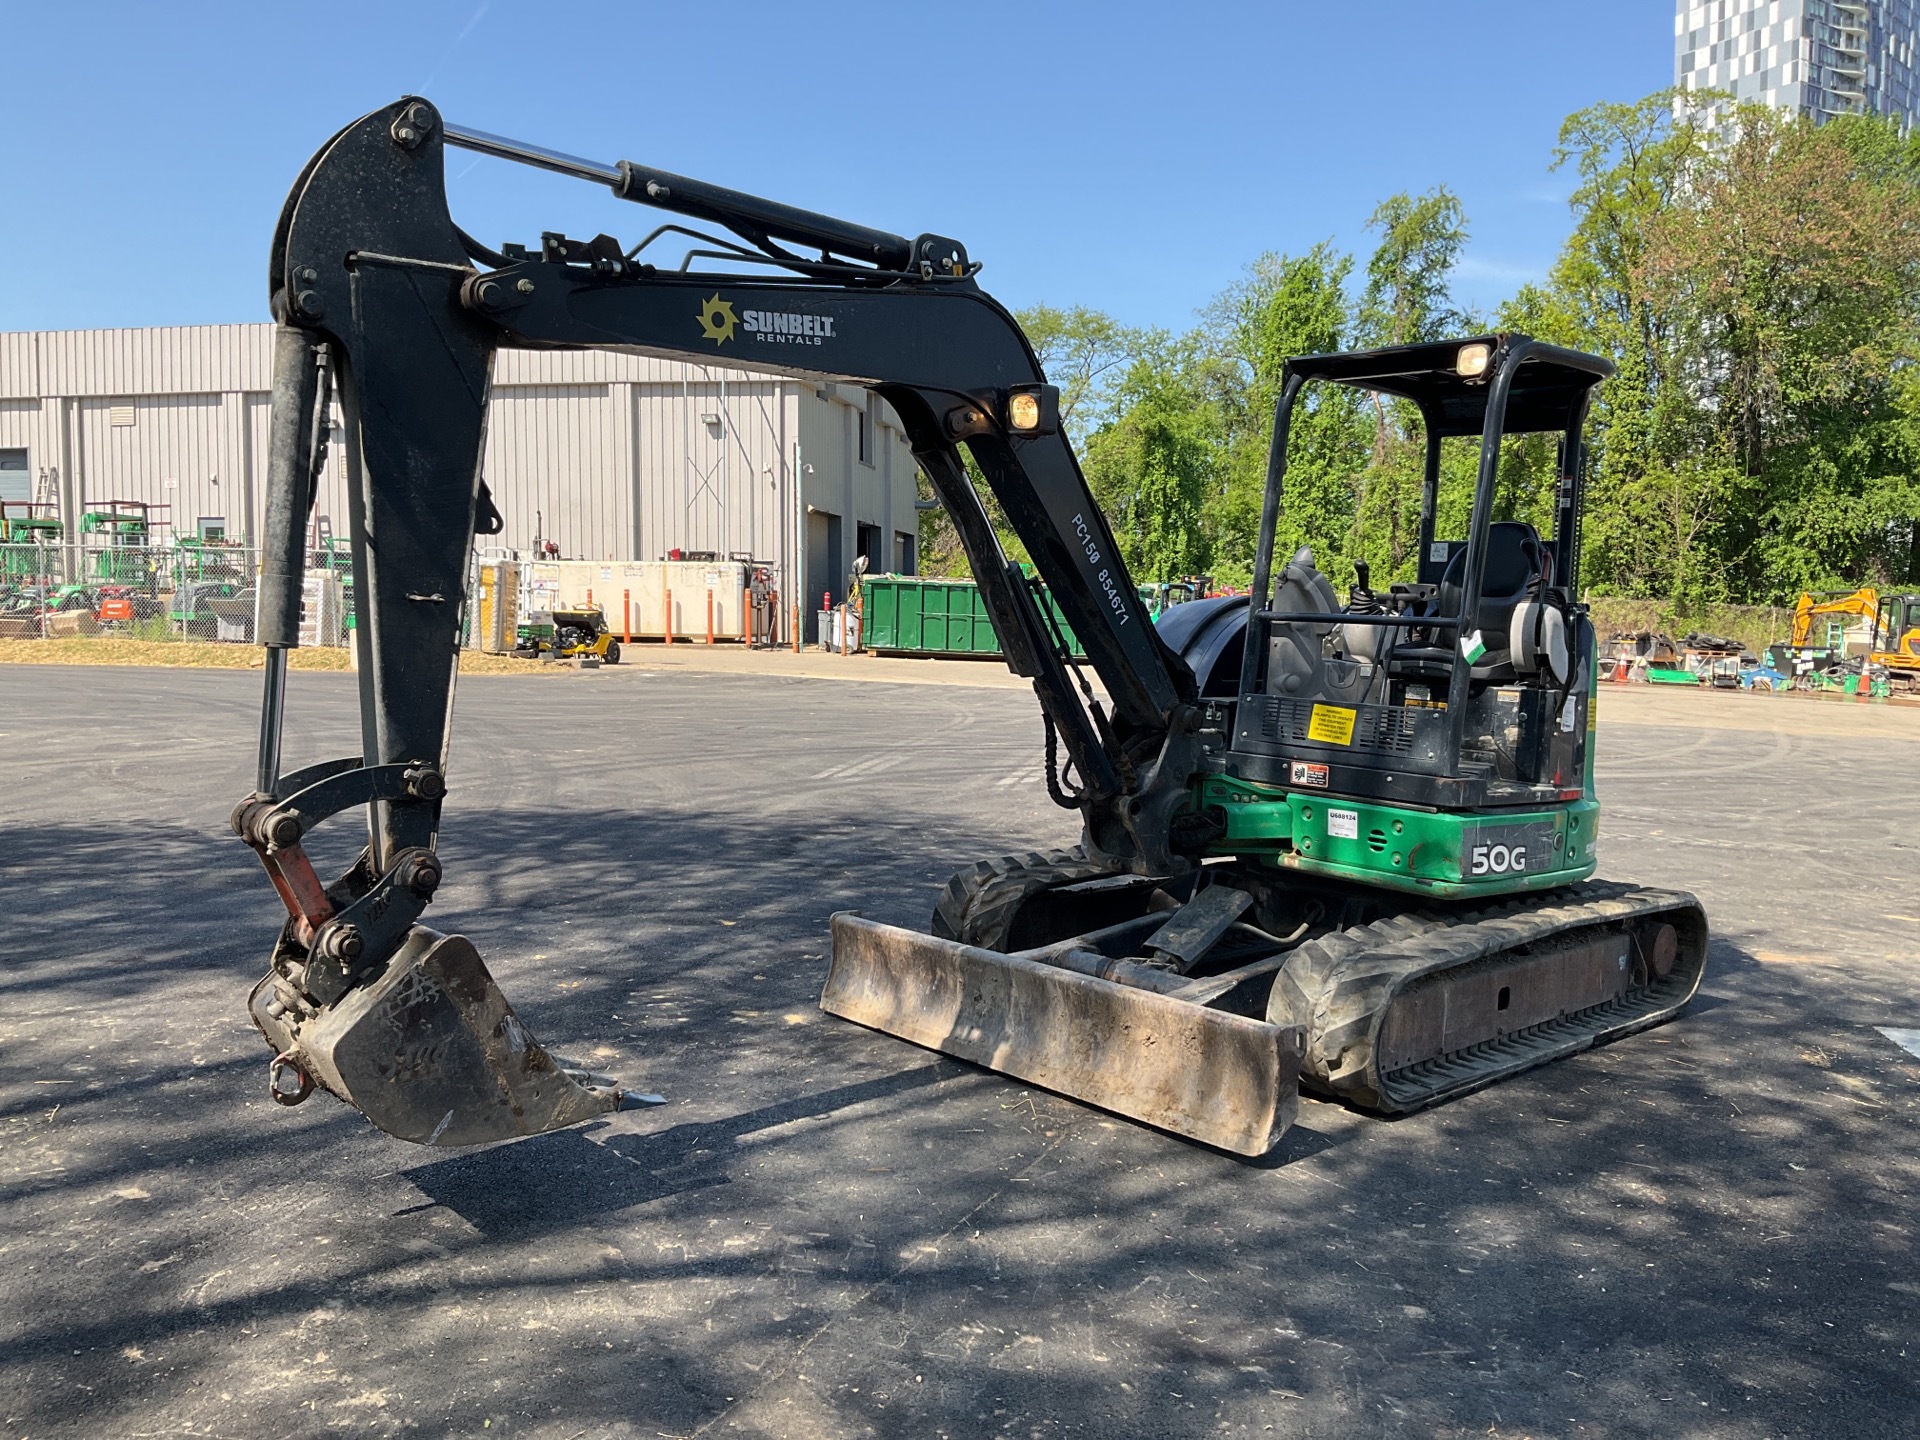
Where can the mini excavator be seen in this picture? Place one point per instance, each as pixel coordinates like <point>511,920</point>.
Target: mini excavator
<point>1345,845</point>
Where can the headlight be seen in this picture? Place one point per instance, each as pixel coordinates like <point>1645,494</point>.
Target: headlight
<point>1472,361</point>
<point>1023,410</point>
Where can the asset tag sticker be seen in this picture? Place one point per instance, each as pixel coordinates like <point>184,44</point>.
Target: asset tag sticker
<point>1343,824</point>
<point>1331,725</point>
<point>1438,552</point>
<point>1305,772</point>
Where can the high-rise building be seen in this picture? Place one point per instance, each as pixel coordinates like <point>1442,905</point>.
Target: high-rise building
<point>1818,57</point>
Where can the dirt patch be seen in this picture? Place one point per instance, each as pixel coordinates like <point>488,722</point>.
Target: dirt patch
<point>1788,713</point>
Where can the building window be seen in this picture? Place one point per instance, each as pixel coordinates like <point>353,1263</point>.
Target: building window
<point>15,481</point>
<point>903,557</point>
<point>865,426</point>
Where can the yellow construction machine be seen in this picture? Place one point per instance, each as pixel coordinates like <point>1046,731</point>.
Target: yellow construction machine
<point>1893,625</point>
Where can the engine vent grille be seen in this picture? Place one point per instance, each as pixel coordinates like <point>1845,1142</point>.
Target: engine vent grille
<point>1383,729</point>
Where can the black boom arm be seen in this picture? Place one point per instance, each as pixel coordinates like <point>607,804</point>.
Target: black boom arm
<point>379,293</point>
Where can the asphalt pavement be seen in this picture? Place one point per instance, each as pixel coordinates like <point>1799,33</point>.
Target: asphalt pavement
<point>1708,1230</point>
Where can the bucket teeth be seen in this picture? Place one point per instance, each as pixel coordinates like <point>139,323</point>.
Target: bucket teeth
<point>430,1051</point>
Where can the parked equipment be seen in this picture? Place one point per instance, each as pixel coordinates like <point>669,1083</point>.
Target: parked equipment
<point>1892,623</point>
<point>568,634</point>
<point>25,523</point>
<point>1338,844</point>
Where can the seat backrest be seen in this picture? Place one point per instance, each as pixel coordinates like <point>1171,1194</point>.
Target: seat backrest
<point>1515,557</point>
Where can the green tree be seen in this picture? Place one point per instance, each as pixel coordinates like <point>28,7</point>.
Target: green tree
<point>1085,353</point>
<point>1407,300</point>
<point>1653,488</point>
<point>1754,277</point>
<point>1789,273</point>
<point>1408,297</point>
<point>1284,306</point>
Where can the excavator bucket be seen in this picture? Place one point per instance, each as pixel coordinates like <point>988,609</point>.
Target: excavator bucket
<point>430,1051</point>
<point>1210,1075</point>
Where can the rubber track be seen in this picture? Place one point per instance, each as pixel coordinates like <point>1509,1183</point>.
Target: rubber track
<point>1338,987</point>
<point>979,904</point>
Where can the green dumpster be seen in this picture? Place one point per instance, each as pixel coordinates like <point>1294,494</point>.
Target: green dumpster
<point>909,615</point>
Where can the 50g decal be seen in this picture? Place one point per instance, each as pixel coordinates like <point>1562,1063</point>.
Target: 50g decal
<point>1488,851</point>
<point>1496,859</point>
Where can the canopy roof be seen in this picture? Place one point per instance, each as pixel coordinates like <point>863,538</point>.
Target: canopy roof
<point>1549,389</point>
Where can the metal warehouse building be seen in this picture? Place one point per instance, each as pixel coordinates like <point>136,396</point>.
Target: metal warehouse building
<point>609,456</point>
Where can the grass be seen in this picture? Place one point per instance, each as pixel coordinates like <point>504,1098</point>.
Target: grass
<point>211,655</point>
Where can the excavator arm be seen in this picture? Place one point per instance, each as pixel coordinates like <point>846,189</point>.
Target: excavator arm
<point>381,298</point>
<point>1863,604</point>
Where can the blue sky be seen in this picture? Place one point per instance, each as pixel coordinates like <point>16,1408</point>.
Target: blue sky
<point>1129,157</point>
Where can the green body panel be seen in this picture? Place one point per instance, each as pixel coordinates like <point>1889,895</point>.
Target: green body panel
<point>906,615</point>
<point>1418,851</point>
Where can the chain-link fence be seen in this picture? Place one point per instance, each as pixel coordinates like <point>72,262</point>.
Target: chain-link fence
<point>176,592</point>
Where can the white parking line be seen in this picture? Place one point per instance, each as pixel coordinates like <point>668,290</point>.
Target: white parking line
<point>1907,1040</point>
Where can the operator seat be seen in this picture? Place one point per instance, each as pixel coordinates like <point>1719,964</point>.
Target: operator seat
<point>1299,665</point>
<point>1519,567</point>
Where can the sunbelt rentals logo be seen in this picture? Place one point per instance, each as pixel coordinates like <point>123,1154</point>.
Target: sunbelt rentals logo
<point>718,321</point>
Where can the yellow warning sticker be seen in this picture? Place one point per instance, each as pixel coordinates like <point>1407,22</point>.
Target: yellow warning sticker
<point>1331,725</point>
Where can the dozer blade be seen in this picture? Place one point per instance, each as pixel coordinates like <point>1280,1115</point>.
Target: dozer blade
<point>1219,1078</point>
<point>430,1051</point>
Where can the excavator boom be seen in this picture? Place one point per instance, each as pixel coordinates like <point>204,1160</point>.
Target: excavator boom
<point>381,297</point>
<point>1338,845</point>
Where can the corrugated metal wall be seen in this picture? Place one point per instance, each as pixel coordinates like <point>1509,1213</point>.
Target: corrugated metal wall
<point>614,453</point>
<point>175,453</point>
<point>20,365</point>
<point>713,457</point>
<point>556,465</point>
<point>19,423</point>
<point>168,360</point>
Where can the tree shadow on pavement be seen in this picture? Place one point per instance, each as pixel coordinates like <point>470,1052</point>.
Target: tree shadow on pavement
<point>1694,1231</point>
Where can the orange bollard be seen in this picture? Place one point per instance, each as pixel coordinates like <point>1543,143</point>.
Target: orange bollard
<point>709,616</point>
<point>626,617</point>
<point>667,599</point>
<point>589,599</point>
<point>796,627</point>
<point>746,617</point>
